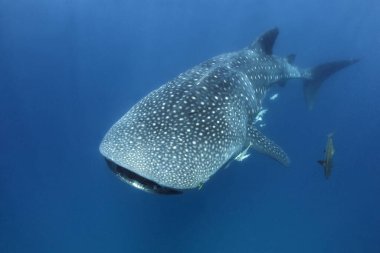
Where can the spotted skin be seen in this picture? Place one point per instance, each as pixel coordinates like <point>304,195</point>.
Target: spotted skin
<point>179,135</point>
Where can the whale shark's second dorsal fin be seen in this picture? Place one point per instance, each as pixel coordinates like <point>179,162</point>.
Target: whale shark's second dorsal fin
<point>259,142</point>
<point>264,44</point>
<point>290,58</point>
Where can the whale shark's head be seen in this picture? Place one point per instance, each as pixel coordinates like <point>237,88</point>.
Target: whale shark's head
<point>168,150</point>
<point>179,135</point>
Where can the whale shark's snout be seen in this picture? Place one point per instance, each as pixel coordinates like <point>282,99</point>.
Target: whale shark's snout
<point>138,181</point>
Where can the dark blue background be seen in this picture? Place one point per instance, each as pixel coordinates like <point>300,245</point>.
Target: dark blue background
<point>69,69</point>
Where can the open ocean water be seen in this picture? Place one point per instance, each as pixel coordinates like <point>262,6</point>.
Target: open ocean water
<point>69,69</point>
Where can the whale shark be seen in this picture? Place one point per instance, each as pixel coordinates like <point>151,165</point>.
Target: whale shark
<point>179,135</point>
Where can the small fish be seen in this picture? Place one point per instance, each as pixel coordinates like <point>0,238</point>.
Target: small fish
<point>327,163</point>
<point>273,97</point>
<point>260,115</point>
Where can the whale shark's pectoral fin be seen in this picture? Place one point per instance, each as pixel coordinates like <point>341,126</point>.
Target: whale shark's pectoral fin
<point>259,142</point>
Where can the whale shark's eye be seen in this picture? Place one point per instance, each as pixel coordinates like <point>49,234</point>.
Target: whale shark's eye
<point>138,181</point>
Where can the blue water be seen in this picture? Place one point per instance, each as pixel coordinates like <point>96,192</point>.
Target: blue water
<point>69,69</point>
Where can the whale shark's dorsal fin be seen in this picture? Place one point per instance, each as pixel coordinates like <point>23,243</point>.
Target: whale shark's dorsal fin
<point>259,142</point>
<point>265,42</point>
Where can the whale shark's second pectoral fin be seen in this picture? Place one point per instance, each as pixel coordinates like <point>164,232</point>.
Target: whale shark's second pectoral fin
<point>259,142</point>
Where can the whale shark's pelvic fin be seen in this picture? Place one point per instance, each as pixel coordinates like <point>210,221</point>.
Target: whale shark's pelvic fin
<point>319,74</point>
<point>259,142</point>
<point>264,44</point>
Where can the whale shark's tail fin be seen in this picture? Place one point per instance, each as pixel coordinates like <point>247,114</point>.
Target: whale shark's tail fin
<point>319,74</point>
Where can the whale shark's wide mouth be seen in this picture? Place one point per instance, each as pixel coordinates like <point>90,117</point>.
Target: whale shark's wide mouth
<point>138,181</point>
